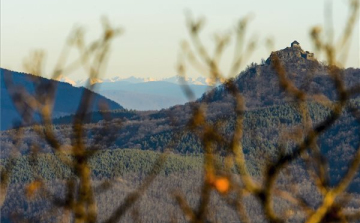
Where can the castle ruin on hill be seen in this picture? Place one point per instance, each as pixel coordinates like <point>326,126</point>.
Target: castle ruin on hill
<point>304,54</point>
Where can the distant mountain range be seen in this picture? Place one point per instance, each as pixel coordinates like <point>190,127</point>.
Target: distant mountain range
<point>145,93</point>
<point>136,80</point>
<point>66,100</point>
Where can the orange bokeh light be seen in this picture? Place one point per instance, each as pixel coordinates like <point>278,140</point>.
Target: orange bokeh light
<point>222,185</point>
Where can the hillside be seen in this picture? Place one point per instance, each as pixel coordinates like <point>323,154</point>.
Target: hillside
<point>124,170</point>
<point>66,99</point>
<point>272,121</point>
<point>268,108</point>
<point>259,84</point>
<point>269,114</point>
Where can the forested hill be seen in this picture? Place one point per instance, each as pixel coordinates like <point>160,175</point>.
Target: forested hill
<point>66,100</point>
<point>269,117</point>
<point>259,84</point>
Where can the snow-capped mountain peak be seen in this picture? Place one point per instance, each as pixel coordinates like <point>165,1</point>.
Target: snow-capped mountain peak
<point>65,79</point>
<point>135,80</point>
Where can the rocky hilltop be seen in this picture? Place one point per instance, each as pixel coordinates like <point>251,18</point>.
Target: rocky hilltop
<point>293,54</point>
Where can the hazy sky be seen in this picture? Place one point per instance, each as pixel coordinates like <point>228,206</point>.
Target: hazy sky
<point>154,29</point>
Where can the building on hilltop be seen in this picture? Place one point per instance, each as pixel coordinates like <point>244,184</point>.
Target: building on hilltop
<point>291,54</point>
<point>295,44</point>
<point>304,54</point>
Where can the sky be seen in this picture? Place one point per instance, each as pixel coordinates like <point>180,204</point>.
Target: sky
<point>153,30</point>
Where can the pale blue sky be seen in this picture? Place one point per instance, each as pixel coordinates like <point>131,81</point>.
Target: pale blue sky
<point>153,29</point>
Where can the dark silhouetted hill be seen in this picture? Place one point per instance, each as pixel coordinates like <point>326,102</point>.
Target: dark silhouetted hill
<point>67,97</point>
